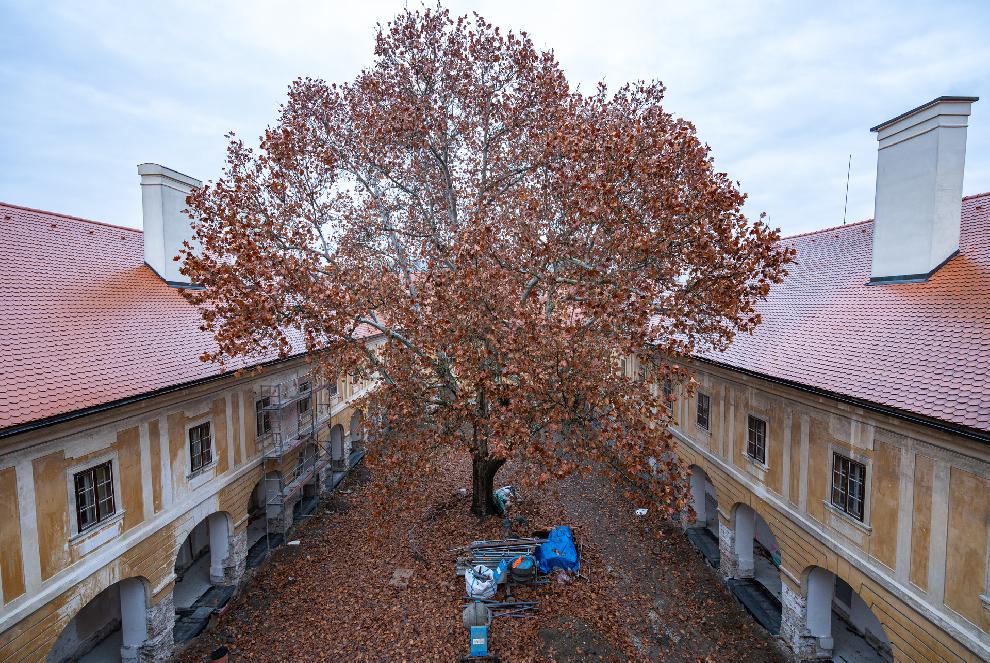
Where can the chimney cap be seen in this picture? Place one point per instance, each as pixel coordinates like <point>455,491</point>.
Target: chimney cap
<point>925,106</point>
<point>153,169</point>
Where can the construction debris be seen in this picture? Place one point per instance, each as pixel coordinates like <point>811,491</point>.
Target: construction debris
<point>480,582</point>
<point>342,607</point>
<point>400,578</point>
<point>559,552</point>
<point>491,553</point>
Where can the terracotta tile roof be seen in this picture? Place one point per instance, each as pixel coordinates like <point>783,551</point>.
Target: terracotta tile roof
<point>923,348</point>
<point>83,321</point>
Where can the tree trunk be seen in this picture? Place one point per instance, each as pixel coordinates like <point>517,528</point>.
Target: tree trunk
<point>482,485</point>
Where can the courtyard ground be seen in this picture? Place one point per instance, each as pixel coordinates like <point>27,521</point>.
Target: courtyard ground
<point>329,598</point>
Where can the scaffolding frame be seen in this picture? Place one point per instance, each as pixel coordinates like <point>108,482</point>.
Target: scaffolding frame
<point>298,409</point>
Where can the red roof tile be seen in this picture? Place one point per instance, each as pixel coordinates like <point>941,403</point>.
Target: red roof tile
<point>919,347</point>
<point>84,322</point>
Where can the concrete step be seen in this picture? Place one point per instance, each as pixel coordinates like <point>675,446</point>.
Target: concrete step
<point>759,602</point>
<point>705,541</point>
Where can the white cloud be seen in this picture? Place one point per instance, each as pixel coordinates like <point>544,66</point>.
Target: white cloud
<point>783,92</point>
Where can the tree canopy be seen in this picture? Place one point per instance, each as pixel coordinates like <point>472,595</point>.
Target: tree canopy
<point>511,237</point>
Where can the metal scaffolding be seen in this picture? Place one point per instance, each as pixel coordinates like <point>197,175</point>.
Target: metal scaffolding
<point>291,416</point>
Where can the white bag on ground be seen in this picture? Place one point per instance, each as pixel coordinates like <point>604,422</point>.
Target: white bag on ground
<point>480,582</point>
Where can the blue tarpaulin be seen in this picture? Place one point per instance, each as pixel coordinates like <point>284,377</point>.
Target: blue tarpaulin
<point>558,552</point>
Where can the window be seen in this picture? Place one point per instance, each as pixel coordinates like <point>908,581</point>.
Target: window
<point>756,447</point>
<point>94,495</point>
<point>306,403</point>
<point>200,446</point>
<point>262,417</point>
<point>704,409</point>
<point>643,373</point>
<point>668,391</point>
<point>848,485</point>
<point>622,367</point>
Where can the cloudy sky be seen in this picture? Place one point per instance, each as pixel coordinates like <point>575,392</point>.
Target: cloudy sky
<point>783,92</point>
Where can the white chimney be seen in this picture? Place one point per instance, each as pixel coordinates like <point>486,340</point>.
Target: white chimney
<point>919,190</point>
<point>163,197</point>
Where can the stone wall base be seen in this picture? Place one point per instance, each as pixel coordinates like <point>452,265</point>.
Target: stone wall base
<point>157,648</point>
<point>728,565</point>
<point>794,628</point>
<point>233,566</point>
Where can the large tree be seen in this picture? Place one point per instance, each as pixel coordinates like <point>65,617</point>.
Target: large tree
<point>513,239</point>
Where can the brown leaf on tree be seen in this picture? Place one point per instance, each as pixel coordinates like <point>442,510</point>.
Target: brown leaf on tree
<point>511,238</point>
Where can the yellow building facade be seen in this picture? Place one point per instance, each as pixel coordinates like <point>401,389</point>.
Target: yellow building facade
<point>67,586</point>
<point>916,554</point>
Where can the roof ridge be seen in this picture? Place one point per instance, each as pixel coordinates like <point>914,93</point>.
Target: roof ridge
<point>985,194</point>
<point>829,229</point>
<point>70,216</point>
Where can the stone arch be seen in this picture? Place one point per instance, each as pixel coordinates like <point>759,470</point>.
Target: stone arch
<point>704,499</point>
<point>117,623</point>
<point>210,553</point>
<point>257,513</point>
<point>750,561</point>
<point>833,620</point>
<point>357,434</point>
<point>337,448</point>
<point>749,526</point>
<point>703,529</point>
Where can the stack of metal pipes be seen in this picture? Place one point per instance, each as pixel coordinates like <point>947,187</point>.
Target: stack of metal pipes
<point>490,553</point>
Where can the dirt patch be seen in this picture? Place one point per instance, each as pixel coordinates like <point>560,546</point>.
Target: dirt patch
<point>570,639</point>
<point>331,599</point>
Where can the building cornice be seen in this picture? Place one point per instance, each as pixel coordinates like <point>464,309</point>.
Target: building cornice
<point>914,418</point>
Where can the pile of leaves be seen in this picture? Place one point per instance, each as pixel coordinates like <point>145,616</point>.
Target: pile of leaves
<point>330,598</point>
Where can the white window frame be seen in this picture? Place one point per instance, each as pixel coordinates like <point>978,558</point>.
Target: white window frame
<point>265,413</point>
<point>766,441</point>
<point>697,404</point>
<point>866,461</point>
<point>70,485</point>
<point>213,447</point>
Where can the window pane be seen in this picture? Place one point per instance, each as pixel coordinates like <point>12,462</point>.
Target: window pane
<point>87,516</point>
<point>857,488</point>
<point>199,446</point>
<point>104,485</point>
<point>85,500</point>
<point>849,485</point>
<point>94,495</point>
<point>855,507</point>
<point>704,409</point>
<point>757,431</point>
<point>263,422</point>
